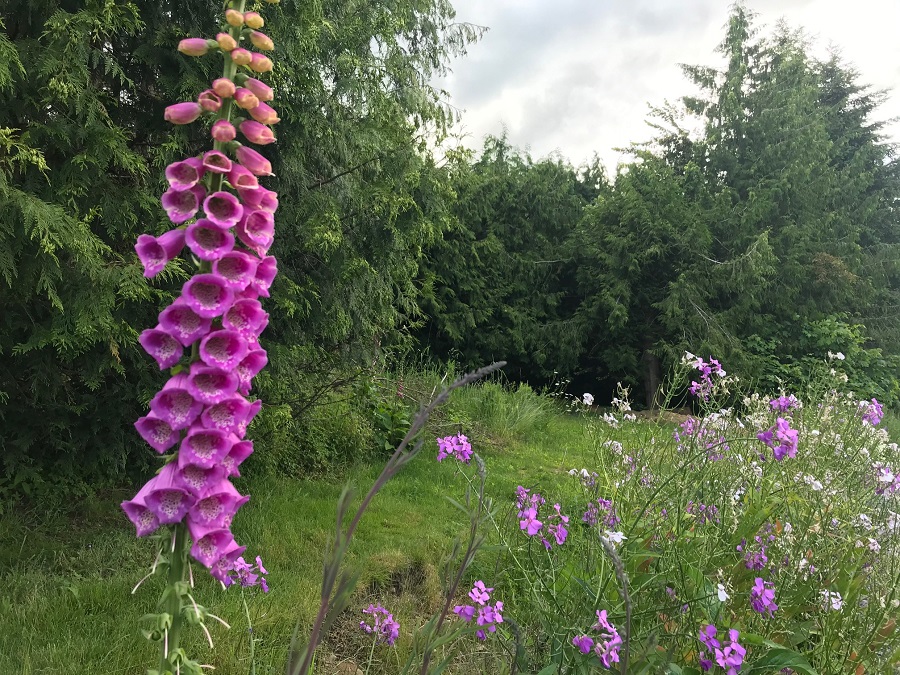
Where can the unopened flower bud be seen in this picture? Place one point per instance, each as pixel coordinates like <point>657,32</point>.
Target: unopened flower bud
<point>183,113</point>
<point>260,63</point>
<point>226,42</point>
<point>262,91</point>
<point>262,41</point>
<point>223,130</point>
<point>245,98</point>
<point>258,133</point>
<point>224,87</point>
<point>264,114</point>
<point>193,46</point>
<point>209,101</point>
<point>234,18</point>
<point>253,20</point>
<point>254,162</point>
<point>241,56</point>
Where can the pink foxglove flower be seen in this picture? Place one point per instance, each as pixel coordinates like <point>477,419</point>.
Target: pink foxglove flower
<point>254,162</point>
<point>224,88</point>
<point>240,451</point>
<point>241,179</point>
<point>208,295</point>
<point>184,324</point>
<point>209,545</point>
<point>259,63</point>
<point>241,56</point>
<point>216,162</point>
<point>257,132</point>
<point>193,46</point>
<point>209,100</point>
<point>249,368</point>
<point>265,275</point>
<point>247,317</point>
<point>237,268</point>
<point>155,252</point>
<point>210,385</point>
<point>221,569</point>
<point>264,114</point>
<point>182,205</point>
<point>183,113</point>
<point>260,198</point>
<point>196,479</point>
<point>257,230</point>
<point>204,446</point>
<point>175,405</point>
<point>228,415</point>
<point>168,502</point>
<point>217,507</point>
<point>185,174</point>
<point>159,344</point>
<point>223,349</point>
<point>207,240</point>
<point>245,98</point>
<point>223,209</point>
<point>144,520</point>
<point>260,89</point>
<point>261,41</point>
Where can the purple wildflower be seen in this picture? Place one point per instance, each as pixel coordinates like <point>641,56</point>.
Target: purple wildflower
<point>762,597</point>
<point>383,624</point>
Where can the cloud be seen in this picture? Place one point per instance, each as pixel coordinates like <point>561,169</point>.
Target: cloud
<point>578,76</point>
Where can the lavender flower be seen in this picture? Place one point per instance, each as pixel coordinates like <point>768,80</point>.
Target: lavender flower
<point>488,616</point>
<point>786,437</point>
<point>762,597</point>
<point>454,446</point>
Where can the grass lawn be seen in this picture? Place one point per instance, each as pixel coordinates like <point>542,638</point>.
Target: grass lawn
<point>67,607</point>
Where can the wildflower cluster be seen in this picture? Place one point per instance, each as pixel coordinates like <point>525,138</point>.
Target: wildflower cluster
<point>245,574</point>
<point>203,407</point>
<point>606,645</point>
<point>552,528</point>
<point>693,431</point>
<point>486,616</point>
<point>887,480</point>
<point>755,557</point>
<point>383,625</point>
<point>785,437</point>
<point>872,412</point>
<point>784,403</point>
<point>762,597</point>
<point>703,387</point>
<point>730,657</point>
<point>704,513</point>
<point>601,511</point>
<point>454,446</point>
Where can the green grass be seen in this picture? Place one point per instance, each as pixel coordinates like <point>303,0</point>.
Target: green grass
<point>67,607</point>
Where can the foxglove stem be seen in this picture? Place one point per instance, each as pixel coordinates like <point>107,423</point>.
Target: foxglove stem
<point>172,603</point>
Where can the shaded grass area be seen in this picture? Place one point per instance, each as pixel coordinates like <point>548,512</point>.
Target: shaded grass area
<point>66,604</point>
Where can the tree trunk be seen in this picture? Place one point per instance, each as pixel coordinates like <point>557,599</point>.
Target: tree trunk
<point>652,378</point>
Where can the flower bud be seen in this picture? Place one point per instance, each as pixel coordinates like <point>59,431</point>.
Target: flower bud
<point>245,98</point>
<point>253,20</point>
<point>241,56</point>
<point>262,91</point>
<point>209,101</point>
<point>226,42</point>
<point>234,18</point>
<point>264,114</point>
<point>223,87</point>
<point>223,131</point>
<point>256,132</point>
<point>262,41</point>
<point>193,46</point>
<point>260,63</point>
<point>254,162</point>
<point>183,113</point>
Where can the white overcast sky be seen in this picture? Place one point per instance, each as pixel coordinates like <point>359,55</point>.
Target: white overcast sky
<point>576,76</point>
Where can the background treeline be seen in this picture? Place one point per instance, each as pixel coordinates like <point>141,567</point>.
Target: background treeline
<point>766,238</point>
